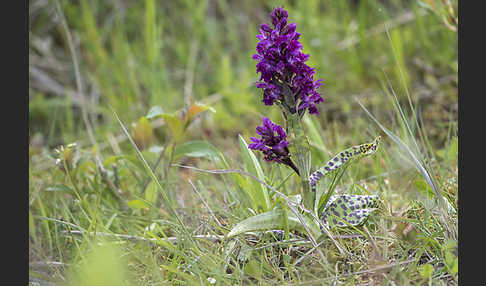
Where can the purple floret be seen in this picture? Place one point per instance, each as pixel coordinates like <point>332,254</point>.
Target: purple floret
<point>272,143</point>
<point>282,63</point>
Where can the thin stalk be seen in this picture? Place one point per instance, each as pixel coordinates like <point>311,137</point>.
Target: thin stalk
<point>171,158</point>
<point>300,150</point>
<point>76,190</point>
<point>154,168</point>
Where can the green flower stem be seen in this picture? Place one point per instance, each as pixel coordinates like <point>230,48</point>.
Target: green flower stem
<point>300,149</point>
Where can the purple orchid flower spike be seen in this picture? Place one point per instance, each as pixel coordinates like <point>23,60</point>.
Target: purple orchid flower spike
<point>272,143</point>
<point>284,76</point>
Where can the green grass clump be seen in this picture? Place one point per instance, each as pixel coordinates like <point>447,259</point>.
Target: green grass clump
<point>127,205</point>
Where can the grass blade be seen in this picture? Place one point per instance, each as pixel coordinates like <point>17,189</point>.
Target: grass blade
<point>259,192</point>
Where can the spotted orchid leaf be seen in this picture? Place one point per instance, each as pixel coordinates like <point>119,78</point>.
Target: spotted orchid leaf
<point>344,158</point>
<point>345,210</point>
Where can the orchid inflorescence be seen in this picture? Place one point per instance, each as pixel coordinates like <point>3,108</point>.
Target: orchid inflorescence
<point>285,78</point>
<point>286,81</point>
<point>289,83</point>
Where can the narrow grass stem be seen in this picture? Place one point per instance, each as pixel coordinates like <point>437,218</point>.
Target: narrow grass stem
<point>154,168</point>
<point>206,205</point>
<point>300,150</point>
<point>210,237</point>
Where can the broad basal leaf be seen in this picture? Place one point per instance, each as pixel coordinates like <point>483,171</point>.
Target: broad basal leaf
<point>272,220</point>
<point>265,221</point>
<point>342,159</point>
<point>344,210</point>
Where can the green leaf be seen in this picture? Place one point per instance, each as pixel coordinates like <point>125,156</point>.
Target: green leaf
<point>301,155</point>
<point>313,128</point>
<point>86,167</point>
<point>143,134</point>
<point>245,253</point>
<point>426,270</point>
<point>151,192</point>
<point>253,268</point>
<point>424,188</point>
<point>32,231</point>
<point>133,161</point>
<point>175,124</point>
<point>315,137</point>
<point>272,220</point>
<point>137,204</point>
<point>258,192</point>
<point>450,255</point>
<point>111,160</point>
<point>452,263</point>
<point>197,149</point>
<point>344,158</point>
<point>452,150</point>
<point>344,210</point>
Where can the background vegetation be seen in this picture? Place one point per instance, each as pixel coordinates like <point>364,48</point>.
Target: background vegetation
<point>91,59</point>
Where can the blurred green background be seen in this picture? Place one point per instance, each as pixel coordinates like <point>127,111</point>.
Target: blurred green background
<point>136,54</point>
<point>88,59</point>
